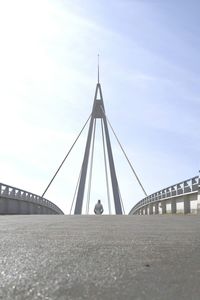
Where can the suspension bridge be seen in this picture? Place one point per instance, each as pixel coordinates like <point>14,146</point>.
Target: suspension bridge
<point>47,255</point>
<point>16,201</point>
<point>185,194</point>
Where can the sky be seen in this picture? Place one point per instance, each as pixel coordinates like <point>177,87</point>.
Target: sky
<point>150,79</point>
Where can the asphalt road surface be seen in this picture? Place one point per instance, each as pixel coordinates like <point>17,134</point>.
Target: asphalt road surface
<point>99,257</point>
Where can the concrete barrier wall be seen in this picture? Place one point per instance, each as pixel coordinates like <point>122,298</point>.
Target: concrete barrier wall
<point>17,201</point>
<point>13,206</point>
<point>182,198</point>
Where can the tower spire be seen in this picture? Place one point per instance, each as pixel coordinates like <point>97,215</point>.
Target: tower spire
<point>98,68</point>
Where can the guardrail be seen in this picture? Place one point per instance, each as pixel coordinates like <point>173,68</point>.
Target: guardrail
<point>186,187</point>
<point>11,192</point>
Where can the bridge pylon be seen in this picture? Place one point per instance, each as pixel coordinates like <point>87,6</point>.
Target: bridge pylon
<point>98,112</point>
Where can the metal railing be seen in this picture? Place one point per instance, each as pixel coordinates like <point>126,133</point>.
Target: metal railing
<point>188,186</point>
<point>11,192</point>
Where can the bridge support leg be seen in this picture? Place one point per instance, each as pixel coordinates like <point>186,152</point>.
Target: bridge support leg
<point>186,202</point>
<point>164,207</point>
<point>150,209</point>
<point>173,206</point>
<point>156,209</point>
<point>198,202</point>
<point>146,210</point>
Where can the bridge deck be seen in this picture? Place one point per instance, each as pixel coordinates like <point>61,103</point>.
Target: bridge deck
<point>99,257</point>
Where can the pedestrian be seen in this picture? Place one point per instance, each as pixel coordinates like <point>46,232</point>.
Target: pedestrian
<point>98,209</point>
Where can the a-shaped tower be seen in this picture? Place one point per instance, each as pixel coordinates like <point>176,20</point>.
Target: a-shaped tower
<point>98,112</point>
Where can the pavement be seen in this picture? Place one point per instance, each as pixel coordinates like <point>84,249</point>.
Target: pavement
<point>99,257</point>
